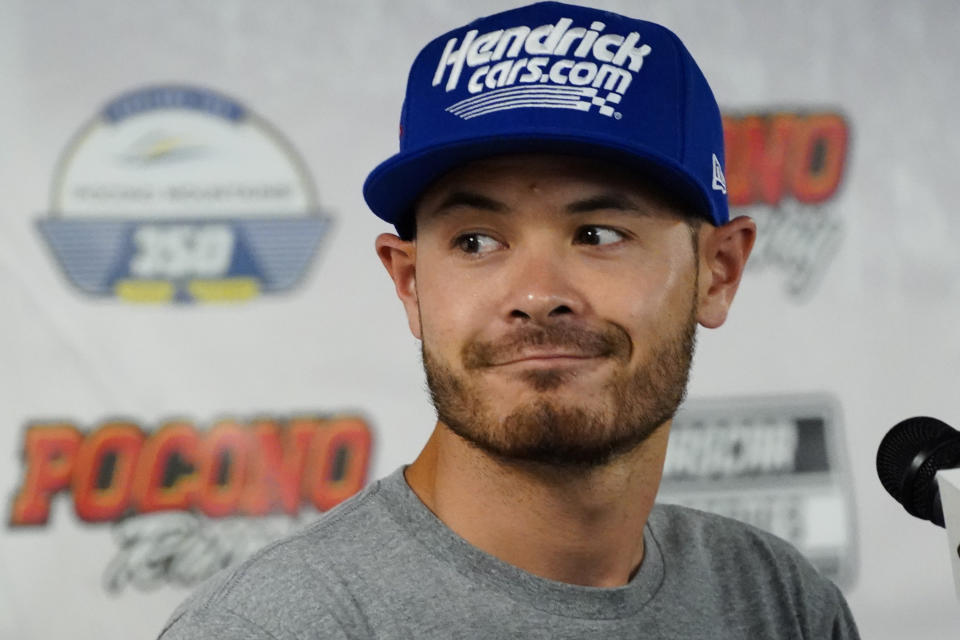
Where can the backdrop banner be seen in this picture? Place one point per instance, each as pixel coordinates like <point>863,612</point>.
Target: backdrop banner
<point>202,353</point>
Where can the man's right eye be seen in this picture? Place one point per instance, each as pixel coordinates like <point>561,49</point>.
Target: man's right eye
<point>476,243</point>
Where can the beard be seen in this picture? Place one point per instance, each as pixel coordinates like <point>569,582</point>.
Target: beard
<point>563,433</point>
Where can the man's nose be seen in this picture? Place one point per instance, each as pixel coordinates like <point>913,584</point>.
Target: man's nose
<point>542,289</point>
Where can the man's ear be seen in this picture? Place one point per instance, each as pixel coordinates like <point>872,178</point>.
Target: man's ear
<point>399,257</point>
<point>723,256</point>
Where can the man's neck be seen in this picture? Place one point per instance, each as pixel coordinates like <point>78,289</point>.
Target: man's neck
<point>577,526</point>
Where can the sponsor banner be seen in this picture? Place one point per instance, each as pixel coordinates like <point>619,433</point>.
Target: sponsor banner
<point>784,169</point>
<point>185,502</point>
<point>777,463</point>
<point>180,194</point>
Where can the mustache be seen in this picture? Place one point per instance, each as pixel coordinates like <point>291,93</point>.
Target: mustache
<point>612,341</point>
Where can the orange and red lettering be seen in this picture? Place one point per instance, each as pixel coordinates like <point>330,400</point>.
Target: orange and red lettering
<point>103,475</point>
<point>276,471</point>
<point>340,453</point>
<point>157,486</point>
<point>49,454</point>
<point>774,155</point>
<point>821,152</point>
<point>223,465</point>
<point>257,468</point>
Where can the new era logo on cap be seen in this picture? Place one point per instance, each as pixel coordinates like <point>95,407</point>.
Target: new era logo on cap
<point>719,182</point>
<point>556,78</point>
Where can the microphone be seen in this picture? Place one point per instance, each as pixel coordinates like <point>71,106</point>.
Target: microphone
<point>908,459</point>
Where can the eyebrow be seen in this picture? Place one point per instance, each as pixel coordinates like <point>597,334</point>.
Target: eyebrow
<point>612,200</point>
<point>469,199</point>
<point>606,201</point>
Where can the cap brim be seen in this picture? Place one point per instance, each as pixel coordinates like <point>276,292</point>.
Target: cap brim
<point>393,187</point>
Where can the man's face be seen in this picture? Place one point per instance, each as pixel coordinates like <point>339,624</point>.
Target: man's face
<point>556,301</point>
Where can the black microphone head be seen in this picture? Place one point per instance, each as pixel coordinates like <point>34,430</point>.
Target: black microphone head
<point>908,459</point>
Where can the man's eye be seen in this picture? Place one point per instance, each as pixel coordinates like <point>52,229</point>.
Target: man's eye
<point>476,243</point>
<point>597,236</point>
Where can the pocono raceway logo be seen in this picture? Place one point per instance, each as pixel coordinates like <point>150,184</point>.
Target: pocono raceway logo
<point>184,502</point>
<point>181,194</point>
<point>512,68</point>
<point>777,463</point>
<point>784,169</point>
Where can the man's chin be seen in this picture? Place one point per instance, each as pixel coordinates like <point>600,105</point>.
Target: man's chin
<point>548,453</point>
<point>548,433</point>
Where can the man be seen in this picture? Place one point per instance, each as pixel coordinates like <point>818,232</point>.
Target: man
<point>561,206</point>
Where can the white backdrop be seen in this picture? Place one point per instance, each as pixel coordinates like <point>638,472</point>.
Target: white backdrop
<point>875,333</point>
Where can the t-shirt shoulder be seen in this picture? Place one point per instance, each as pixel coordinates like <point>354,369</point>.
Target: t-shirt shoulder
<point>723,542</point>
<point>745,560</point>
<point>282,573</point>
<point>703,529</point>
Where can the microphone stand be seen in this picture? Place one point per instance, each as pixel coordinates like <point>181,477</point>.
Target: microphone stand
<point>949,483</point>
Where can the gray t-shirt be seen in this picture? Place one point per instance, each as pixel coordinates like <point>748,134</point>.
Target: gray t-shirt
<point>381,565</point>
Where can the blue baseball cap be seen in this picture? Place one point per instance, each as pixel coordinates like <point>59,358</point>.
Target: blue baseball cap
<point>557,78</point>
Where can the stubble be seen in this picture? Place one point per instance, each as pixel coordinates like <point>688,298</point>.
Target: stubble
<point>561,432</point>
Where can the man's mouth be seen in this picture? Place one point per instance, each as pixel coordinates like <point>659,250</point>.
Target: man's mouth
<point>558,346</point>
<point>546,358</point>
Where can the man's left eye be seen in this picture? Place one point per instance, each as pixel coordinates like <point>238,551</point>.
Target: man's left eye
<point>597,236</point>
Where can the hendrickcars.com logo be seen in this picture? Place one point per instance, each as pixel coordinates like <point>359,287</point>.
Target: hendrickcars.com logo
<point>551,66</point>
<point>186,502</point>
<point>181,194</point>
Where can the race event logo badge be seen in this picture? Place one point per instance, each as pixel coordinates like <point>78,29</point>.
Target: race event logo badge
<point>180,194</point>
<point>784,169</point>
<point>185,502</point>
<point>777,463</point>
<point>512,68</point>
